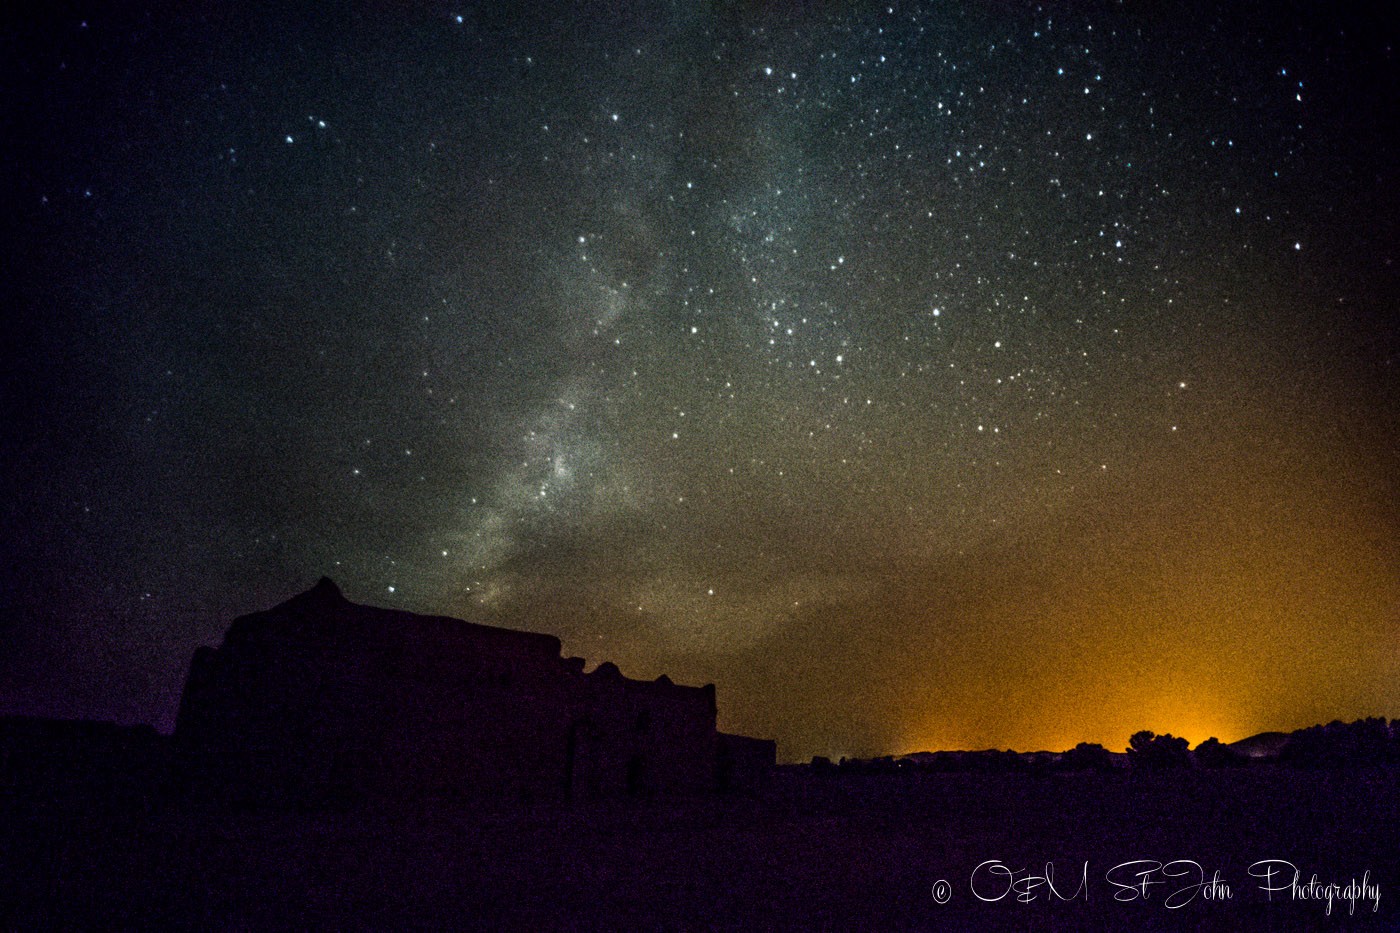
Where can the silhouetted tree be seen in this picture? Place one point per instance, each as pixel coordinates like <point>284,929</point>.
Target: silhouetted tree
<point>1158,752</point>
<point>1338,744</point>
<point>1212,754</point>
<point>1306,748</point>
<point>1368,741</point>
<point>1087,756</point>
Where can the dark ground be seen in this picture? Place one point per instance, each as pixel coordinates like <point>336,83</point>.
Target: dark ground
<point>833,851</point>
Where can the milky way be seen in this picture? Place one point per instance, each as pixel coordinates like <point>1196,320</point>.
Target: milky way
<point>942,375</point>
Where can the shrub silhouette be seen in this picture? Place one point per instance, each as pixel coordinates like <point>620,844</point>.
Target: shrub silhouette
<point>1087,756</point>
<point>1212,754</point>
<point>1338,744</point>
<point>1146,749</point>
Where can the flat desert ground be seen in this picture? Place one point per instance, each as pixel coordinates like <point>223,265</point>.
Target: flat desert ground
<point>813,850</point>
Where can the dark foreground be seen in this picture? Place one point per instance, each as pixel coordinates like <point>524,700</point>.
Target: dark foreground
<point>812,852</point>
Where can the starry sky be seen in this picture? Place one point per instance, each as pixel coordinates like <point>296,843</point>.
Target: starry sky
<point>936,375</point>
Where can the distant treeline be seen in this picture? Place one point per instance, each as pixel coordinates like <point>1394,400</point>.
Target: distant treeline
<point>1363,743</point>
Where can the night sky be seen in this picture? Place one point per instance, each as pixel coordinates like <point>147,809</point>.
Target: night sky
<point>944,375</point>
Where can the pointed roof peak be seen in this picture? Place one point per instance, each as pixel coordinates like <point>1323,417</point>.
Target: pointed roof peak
<point>325,591</point>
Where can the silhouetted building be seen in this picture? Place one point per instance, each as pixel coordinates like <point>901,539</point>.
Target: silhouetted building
<point>322,699</point>
<point>743,763</point>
